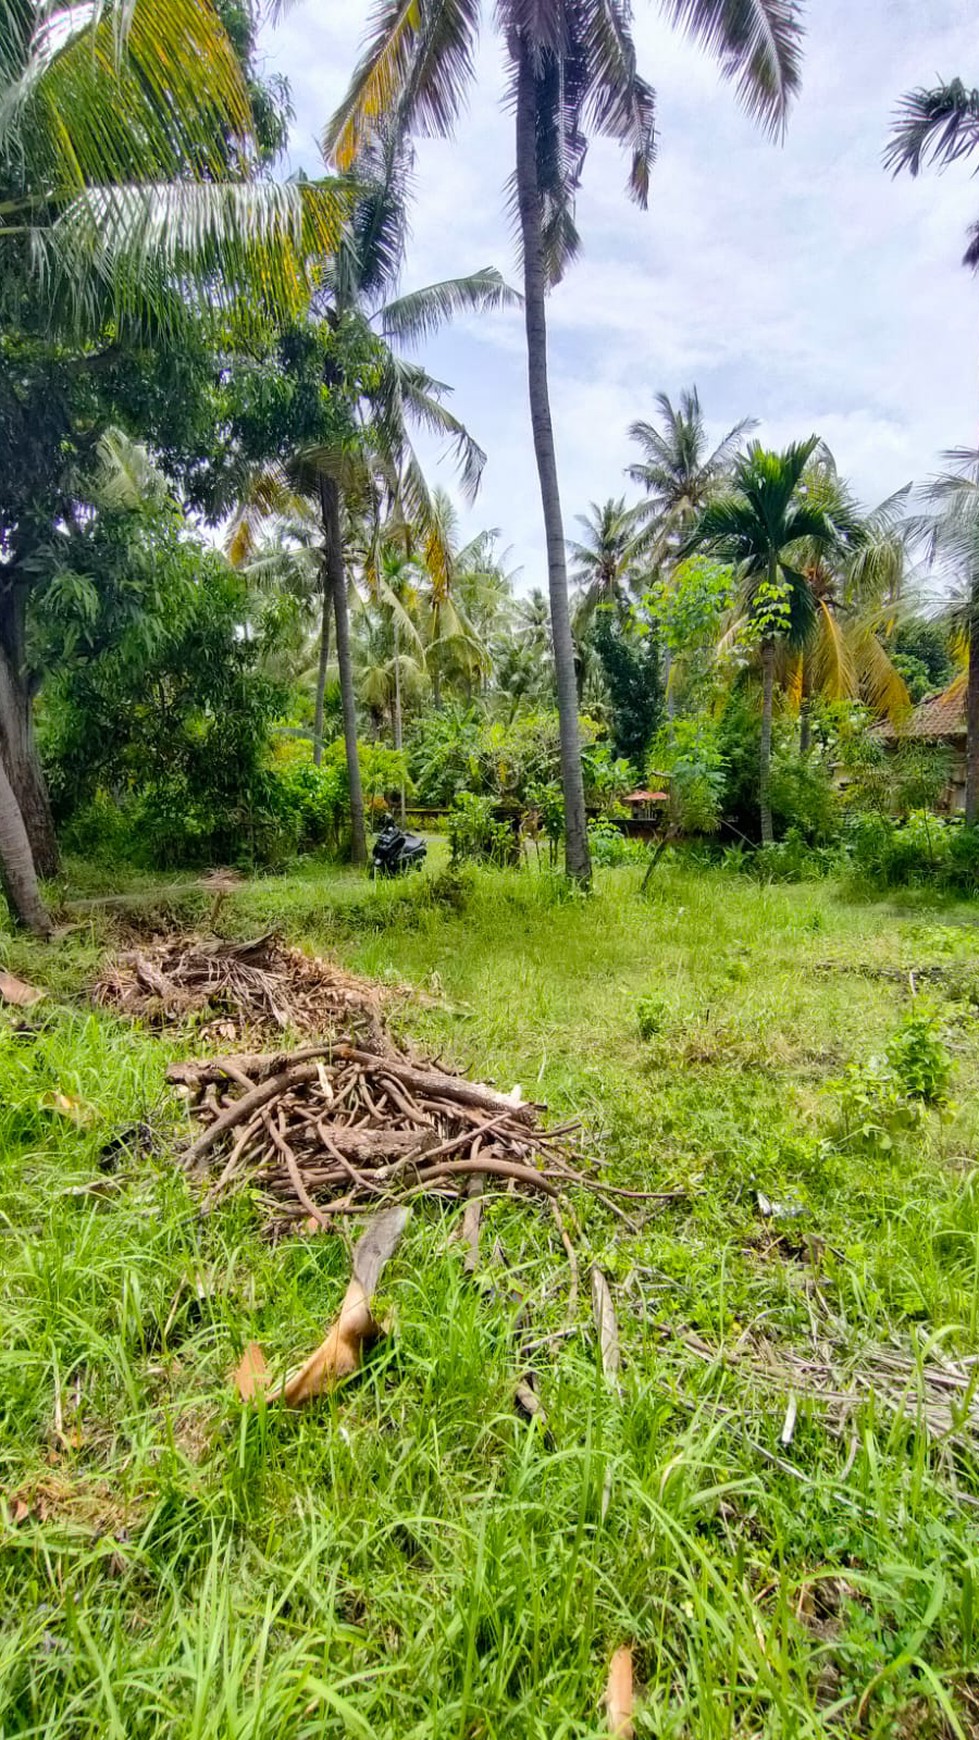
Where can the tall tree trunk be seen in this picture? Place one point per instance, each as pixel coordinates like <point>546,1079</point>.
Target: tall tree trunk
<point>805,709</point>
<point>323,664</point>
<point>17,744</point>
<point>576,855</point>
<point>765,756</point>
<point>972,713</point>
<point>667,686</point>
<point>330,505</point>
<point>17,871</point>
<point>398,733</point>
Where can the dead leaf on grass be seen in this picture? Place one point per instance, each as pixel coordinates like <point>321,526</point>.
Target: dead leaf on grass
<point>618,1694</point>
<point>17,992</point>
<point>251,1374</point>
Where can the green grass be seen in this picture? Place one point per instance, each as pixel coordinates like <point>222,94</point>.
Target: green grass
<point>411,1558</point>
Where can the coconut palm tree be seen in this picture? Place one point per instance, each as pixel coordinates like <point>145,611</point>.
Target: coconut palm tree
<point>604,562</point>
<point>679,473</point>
<point>856,586</point>
<point>760,526</point>
<point>385,394</point>
<point>571,67</point>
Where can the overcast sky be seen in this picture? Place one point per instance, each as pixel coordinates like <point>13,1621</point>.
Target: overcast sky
<point>797,283</point>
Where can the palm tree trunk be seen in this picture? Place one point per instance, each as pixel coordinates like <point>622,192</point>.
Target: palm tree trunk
<point>805,709</point>
<point>330,506</point>
<point>765,755</point>
<point>576,855</point>
<point>667,686</point>
<point>972,713</point>
<point>17,871</point>
<point>323,664</point>
<point>398,735</point>
<point>17,743</point>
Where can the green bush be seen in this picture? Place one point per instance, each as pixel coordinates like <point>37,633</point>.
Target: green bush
<point>609,846</point>
<point>475,833</point>
<point>920,1059</point>
<point>886,1097</point>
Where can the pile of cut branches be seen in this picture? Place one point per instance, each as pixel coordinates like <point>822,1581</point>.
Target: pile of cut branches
<point>239,990</point>
<point>333,1130</point>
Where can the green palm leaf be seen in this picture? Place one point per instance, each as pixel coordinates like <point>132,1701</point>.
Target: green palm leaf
<point>422,312</point>
<point>758,43</point>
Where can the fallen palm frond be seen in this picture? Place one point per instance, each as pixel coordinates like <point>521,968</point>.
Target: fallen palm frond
<point>339,1355</point>
<point>333,1129</point>
<point>938,1394</point>
<point>239,989</point>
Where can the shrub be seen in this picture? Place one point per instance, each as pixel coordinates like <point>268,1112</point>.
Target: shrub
<point>609,846</point>
<point>652,1014</point>
<point>804,799</point>
<point>920,1059</point>
<point>793,859</point>
<point>691,754</point>
<point>475,833</point>
<point>887,1096</point>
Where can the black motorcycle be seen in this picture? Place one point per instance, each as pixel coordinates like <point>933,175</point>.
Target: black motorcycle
<point>396,851</point>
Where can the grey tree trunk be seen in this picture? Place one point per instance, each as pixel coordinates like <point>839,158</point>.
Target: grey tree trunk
<point>17,870</point>
<point>17,743</point>
<point>577,859</point>
<point>398,733</point>
<point>323,663</point>
<point>972,713</point>
<point>330,505</point>
<point>765,755</point>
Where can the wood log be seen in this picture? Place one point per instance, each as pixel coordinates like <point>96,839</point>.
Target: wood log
<point>446,1087</point>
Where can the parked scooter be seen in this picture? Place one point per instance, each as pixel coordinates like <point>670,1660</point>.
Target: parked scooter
<point>396,851</point>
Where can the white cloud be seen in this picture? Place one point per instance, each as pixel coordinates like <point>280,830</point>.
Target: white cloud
<point>798,284</point>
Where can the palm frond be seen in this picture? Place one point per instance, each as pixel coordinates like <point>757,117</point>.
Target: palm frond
<point>940,126</point>
<point>422,312</point>
<point>620,104</point>
<point>408,392</point>
<point>145,91</point>
<point>134,243</point>
<point>417,62</point>
<point>831,663</point>
<point>758,44</point>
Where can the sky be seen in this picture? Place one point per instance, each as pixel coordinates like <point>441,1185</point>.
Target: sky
<point>795,283</point>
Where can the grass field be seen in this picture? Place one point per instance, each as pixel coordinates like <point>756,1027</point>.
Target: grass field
<point>411,1558</point>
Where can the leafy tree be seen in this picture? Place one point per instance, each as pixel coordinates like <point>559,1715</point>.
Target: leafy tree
<point>920,652</point>
<point>571,67</point>
<point>629,652</point>
<point>155,691</point>
<point>131,140</point>
<point>759,528</point>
